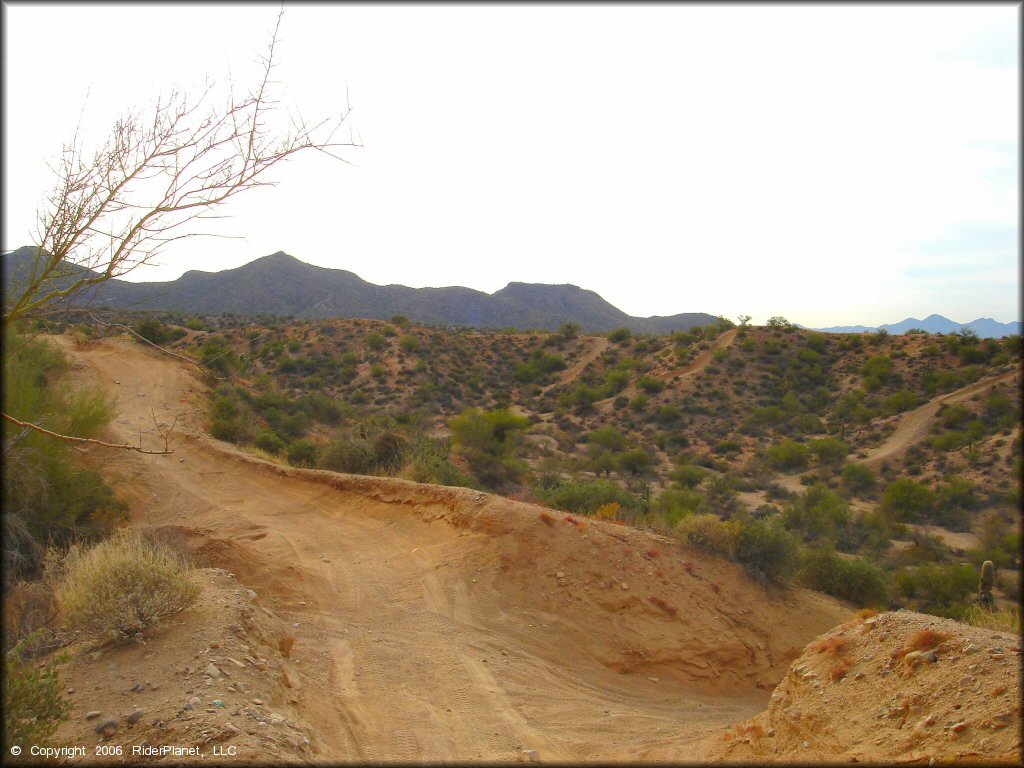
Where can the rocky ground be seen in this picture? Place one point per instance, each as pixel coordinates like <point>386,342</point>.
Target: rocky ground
<point>901,687</point>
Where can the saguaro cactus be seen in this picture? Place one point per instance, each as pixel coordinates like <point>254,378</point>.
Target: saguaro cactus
<point>988,579</point>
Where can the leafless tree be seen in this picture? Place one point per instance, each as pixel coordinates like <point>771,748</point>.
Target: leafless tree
<point>158,172</point>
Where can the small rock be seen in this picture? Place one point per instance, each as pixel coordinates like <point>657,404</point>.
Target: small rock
<point>212,670</point>
<point>106,727</point>
<point>625,585</point>
<point>958,727</point>
<point>139,687</point>
<point>966,682</point>
<point>560,575</point>
<point>250,594</point>
<point>931,657</point>
<point>71,690</point>
<point>807,744</point>
<point>134,717</point>
<point>93,714</point>
<point>195,701</point>
<point>530,755</point>
<point>971,648</point>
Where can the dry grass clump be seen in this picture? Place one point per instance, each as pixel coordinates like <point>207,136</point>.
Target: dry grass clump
<point>866,613</point>
<point>830,645</point>
<point>922,640</point>
<point>123,586</point>
<point>547,518</point>
<point>1005,620</point>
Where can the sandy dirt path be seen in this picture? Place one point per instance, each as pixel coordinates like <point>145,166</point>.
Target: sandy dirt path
<point>413,644</point>
<point>691,369</point>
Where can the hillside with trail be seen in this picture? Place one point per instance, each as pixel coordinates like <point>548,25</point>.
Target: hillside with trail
<point>429,622</point>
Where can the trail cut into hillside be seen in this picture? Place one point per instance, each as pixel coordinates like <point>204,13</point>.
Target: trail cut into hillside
<point>429,623</point>
<point>691,369</point>
<point>913,425</point>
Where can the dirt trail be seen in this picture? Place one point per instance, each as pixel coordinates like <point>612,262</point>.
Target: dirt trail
<point>598,344</point>
<point>914,424</point>
<point>698,364</point>
<point>443,624</point>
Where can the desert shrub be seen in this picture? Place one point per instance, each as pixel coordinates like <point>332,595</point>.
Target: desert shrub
<point>636,461</point>
<point>688,475</point>
<point>859,479</point>
<point>375,341</point>
<point>706,532</point>
<point>156,332</point>
<point>620,335</point>
<point>876,372</point>
<point>351,456</point>
<point>486,440</point>
<point>651,385</point>
<point>817,514</point>
<point>267,440</point>
<point>34,704</point>
<point>907,500</point>
<point>673,504</point>
<point>900,401</point>
<point>787,455</point>
<point>767,550</point>
<point>303,453</point>
<point>48,496</point>
<point>586,497</point>
<point>829,450</point>
<point>123,586</point>
<point>857,581</point>
<point>941,589</point>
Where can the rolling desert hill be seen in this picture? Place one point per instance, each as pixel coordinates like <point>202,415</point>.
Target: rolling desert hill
<point>282,285</point>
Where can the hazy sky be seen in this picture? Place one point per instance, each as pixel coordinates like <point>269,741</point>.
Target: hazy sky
<point>834,164</point>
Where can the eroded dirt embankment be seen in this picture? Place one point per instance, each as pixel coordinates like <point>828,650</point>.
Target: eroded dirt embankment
<point>438,624</point>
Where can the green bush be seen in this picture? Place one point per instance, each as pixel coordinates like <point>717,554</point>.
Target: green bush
<point>767,550</point>
<point>620,335</point>
<point>941,589</point>
<point>267,440</point>
<point>787,455</point>
<point>303,453</point>
<point>351,456</point>
<point>907,500</point>
<point>829,450</point>
<point>818,514</point>
<point>859,479</point>
<point>673,504</point>
<point>585,497</point>
<point>34,704</point>
<point>857,581</point>
<point>651,385</point>
<point>688,475</point>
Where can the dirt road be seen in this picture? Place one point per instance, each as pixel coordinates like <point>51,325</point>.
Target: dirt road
<point>442,624</point>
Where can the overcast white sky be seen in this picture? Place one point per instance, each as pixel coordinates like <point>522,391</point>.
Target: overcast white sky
<point>834,164</point>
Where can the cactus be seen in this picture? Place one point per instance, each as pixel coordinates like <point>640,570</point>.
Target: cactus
<point>987,576</point>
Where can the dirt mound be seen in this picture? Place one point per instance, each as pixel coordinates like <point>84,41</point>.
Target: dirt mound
<point>901,687</point>
<point>444,624</point>
<point>214,678</point>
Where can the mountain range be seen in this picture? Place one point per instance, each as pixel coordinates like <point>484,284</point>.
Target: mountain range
<point>280,284</point>
<point>985,327</point>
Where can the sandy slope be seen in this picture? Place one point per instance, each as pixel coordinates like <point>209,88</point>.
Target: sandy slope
<point>443,624</point>
<point>961,706</point>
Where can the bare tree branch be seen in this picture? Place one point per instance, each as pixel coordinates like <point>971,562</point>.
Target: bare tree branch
<point>115,210</point>
<point>87,440</point>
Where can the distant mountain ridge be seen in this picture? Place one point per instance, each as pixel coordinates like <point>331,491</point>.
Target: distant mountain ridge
<point>280,284</point>
<point>985,327</point>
